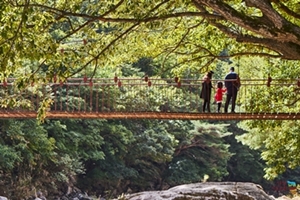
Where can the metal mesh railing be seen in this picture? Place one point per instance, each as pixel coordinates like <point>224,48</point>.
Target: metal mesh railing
<point>148,94</point>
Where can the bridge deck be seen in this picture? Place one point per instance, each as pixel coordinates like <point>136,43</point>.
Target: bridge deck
<point>154,115</point>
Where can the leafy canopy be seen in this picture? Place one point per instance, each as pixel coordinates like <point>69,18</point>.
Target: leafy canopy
<point>68,37</point>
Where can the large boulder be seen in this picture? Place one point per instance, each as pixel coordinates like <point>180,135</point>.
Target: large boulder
<point>206,191</point>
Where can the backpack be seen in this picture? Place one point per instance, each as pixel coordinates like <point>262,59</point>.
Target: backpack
<point>237,83</point>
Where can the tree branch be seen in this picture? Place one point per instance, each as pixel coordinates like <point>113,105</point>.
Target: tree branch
<point>286,9</point>
<point>281,33</point>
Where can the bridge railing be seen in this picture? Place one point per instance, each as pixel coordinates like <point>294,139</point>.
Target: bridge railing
<point>147,94</point>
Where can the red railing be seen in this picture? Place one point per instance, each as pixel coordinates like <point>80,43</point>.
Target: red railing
<point>148,94</point>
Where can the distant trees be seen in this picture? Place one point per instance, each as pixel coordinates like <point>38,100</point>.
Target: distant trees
<point>108,156</point>
<point>201,152</point>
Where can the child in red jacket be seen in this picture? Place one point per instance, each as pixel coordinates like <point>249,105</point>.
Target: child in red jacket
<point>219,94</point>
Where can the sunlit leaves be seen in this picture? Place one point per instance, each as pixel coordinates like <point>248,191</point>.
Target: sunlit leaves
<point>172,30</point>
<point>69,37</point>
<point>279,141</point>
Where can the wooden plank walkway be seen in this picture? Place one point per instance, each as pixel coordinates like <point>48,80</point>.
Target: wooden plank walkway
<point>153,115</point>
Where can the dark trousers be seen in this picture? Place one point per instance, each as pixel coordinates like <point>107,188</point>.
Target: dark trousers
<point>232,97</point>
<point>219,106</point>
<point>206,104</point>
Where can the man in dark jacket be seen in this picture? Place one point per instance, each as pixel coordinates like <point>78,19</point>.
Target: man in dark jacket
<point>232,84</point>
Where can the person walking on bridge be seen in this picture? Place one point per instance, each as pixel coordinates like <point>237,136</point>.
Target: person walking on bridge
<point>232,84</point>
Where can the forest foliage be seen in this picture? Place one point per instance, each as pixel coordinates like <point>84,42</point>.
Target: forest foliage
<point>111,157</point>
<point>49,41</point>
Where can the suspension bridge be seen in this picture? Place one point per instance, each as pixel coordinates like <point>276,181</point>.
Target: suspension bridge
<point>147,98</point>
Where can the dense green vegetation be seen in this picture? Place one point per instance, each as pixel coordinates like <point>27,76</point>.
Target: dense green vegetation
<point>43,41</point>
<point>111,157</point>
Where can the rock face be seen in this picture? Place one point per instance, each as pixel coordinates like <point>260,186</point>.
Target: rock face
<point>206,191</point>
